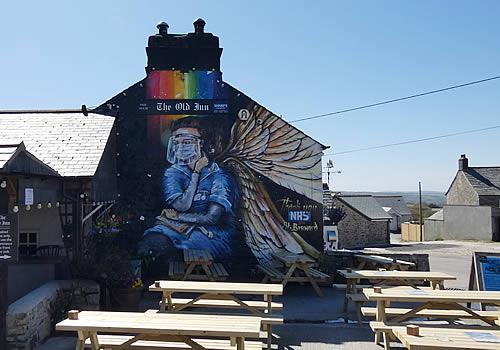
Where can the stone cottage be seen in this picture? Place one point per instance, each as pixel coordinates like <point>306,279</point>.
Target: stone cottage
<point>472,209</point>
<point>366,224</point>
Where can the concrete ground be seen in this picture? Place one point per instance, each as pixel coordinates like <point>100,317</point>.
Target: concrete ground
<point>314,323</point>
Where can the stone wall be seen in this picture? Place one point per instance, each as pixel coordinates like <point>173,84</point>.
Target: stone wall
<point>29,319</point>
<point>337,260</point>
<point>357,231</point>
<point>461,192</point>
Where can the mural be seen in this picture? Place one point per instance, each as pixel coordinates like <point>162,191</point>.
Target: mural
<point>229,169</point>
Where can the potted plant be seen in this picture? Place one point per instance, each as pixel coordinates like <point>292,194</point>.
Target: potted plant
<point>125,291</point>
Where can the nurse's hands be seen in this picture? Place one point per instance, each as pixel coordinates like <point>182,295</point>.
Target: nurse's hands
<point>200,164</point>
<point>171,214</point>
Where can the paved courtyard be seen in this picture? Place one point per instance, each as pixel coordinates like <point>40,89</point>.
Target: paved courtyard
<point>317,323</point>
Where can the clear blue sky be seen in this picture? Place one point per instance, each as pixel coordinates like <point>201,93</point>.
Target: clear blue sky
<point>297,58</point>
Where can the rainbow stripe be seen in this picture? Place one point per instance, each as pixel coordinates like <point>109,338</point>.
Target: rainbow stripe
<point>172,84</point>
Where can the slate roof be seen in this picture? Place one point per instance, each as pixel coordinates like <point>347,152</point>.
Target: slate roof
<point>484,180</point>
<point>72,144</point>
<point>365,205</point>
<point>395,202</point>
<point>7,151</point>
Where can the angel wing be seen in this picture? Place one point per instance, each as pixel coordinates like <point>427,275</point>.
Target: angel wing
<point>266,145</point>
<point>270,146</point>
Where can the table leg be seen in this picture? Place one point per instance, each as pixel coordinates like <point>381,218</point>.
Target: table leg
<point>80,342</point>
<point>207,272</point>
<point>305,267</point>
<point>189,269</point>
<point>380,317</point>
<point>269,327</point>
<point>240,343</point>
<point>288,274</point>
<point>348,290</point>
<point>94,341</point>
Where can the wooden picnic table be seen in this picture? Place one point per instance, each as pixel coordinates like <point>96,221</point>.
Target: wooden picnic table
<point>146,330</point>
<point>198,264</point>
<point>374,261</point>
<point>299,269</point>
<point>438,338</point>
<point>226,291</point>
<point>401,278</point>
<point>223,295</point>
<point>429,300</point>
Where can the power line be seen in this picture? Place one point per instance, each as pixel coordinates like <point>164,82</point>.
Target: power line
<point>413,141</point>
<point>395,100</point>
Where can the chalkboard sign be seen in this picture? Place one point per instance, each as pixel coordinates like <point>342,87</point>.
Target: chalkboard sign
<point>8,238</point>
<point>485,272</point>
<point>487,266</point>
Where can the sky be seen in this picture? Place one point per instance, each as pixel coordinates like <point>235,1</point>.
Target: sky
<point>297,58</point>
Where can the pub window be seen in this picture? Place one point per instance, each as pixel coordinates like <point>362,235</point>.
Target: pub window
<point>28,242</point>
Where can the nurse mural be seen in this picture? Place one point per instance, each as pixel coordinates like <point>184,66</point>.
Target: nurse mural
<point>199,199</point>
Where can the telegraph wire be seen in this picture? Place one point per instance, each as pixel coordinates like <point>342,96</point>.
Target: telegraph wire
<point>413,141</point>
<point>394,100</point>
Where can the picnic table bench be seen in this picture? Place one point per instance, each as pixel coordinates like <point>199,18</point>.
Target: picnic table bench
<point>445,301</point>
<point>160,331</point>
<point>385,278</point>
<point>224,295</point>
<point>197,265</point>
<point>440,337</point>
<point>298,268</point>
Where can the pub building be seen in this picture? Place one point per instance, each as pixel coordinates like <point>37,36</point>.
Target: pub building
<point>194,160</point>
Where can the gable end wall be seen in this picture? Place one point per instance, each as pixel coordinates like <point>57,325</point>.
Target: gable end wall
<point>461,192</point>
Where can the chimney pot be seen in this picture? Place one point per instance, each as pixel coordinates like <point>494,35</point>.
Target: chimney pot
<point>463,162</point>
<point>199,26</point>
<point>162,28</point>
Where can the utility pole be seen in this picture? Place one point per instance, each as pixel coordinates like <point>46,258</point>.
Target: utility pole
<point>421,222</point>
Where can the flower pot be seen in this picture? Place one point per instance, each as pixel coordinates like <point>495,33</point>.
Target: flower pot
<point>125,299</point>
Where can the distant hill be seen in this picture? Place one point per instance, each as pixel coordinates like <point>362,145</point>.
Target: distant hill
<point>428,197</point>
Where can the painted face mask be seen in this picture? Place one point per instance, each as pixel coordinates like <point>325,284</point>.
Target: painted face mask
<point>183,148</point>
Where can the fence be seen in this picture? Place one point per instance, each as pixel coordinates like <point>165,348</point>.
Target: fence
<point>411,232</point>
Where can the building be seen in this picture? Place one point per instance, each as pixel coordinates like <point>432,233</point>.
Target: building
<point>472,209</point>
<point>397,208</point>
<point>55,170</point>
<point>260,191</point>
<point>366,223</point>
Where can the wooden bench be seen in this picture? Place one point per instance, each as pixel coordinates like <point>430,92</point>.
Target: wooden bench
<point>321,276</point>
<point>218,271</point>
<point>225,303</point>
<point>116,341</point>
<point>176,268</point>
<point>358,299</point>
<point>271,273</point>
<point>443,314</point>
<point>386,330</point>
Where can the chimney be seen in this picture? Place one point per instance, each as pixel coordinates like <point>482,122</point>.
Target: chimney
<point>199,26</point>
<point>192,51</point>
<point>463,162</point>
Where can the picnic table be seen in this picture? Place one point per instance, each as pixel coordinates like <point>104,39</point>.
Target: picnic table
<point>198,265</point>
<point>438,338</point>
<point>163,331</point>
<point>447,301</point>
<point>223,295</point>
<point>401,278</point>
<point>226,293</point>
<point>374,261</point>
<point>298,268</point>
<point>431,299</point>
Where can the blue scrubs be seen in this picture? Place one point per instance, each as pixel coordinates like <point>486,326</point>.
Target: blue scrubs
<point>215,186</point>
